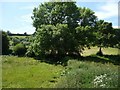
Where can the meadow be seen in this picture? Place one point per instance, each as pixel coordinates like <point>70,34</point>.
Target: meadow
<point>52,56</point>
<point>90,71</point>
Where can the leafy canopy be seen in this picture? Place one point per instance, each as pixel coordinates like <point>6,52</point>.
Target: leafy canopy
<point>63,28</point>
<point>56,12</point>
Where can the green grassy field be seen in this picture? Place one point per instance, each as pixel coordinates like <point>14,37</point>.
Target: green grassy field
<point>94,50</point>
<point>87,72</point>
<point>27,72</point>
<point>22,37</point>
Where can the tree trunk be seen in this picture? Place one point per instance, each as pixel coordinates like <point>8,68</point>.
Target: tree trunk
<point>100,49</point>
<point>100,52</point>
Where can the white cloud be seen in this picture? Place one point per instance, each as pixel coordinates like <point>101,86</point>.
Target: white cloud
<point>115,26</point>
<point>108,10</point>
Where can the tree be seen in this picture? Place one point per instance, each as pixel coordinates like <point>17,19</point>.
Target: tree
<point>25,33</point>
<point>56,12</point>
<point>85,36</point>
<point>5,43</point>
<point>104,35</point>
<point>62,28</point>
<point>116,38</point>
<point>59,40</point>
<point>9,33</point>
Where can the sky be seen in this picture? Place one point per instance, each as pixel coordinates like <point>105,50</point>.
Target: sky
<point>15,15</point>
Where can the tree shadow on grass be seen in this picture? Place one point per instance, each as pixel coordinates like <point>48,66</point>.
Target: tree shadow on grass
<point>115,59</point>
<point>54,60</point>
<point>62,60</point>
<point>57,60</point>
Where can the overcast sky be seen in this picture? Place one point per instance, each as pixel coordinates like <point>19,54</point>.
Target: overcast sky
<point>15,15</point>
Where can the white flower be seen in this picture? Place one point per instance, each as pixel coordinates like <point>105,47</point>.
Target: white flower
<point>98,81</point>
<point>102,85</point>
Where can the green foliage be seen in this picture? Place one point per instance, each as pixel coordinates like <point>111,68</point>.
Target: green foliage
<point>19,49</point>
<point>30,51</point>
<point>116,38</point>
<point>87,17</point>
<point>85,36</point>
<point>63,28</point>
<point>51,40</point>
<point>19,39</point>
<point>104,33</point>
<point>14,40</point>
<point>61,40</point>
<point>54,13</point>
<point>5,43</point>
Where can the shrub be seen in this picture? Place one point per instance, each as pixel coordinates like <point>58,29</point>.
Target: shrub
<point>15,40</point>
<point>30,52</point>
<point>19,49</point>
<point>5,43</point>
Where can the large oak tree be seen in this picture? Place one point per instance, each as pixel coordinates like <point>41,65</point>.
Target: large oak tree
<point>64,28</point>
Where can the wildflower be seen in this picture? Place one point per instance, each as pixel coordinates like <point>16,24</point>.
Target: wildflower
<point>98,81</point>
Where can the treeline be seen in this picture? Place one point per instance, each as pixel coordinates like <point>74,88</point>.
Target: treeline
<point>13,34</point>
<point>19,34</point>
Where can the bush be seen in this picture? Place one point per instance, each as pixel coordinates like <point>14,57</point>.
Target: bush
<point>30,52</point>
<point>15,40</point>
<point>5,43</point>
<point>19,49</point>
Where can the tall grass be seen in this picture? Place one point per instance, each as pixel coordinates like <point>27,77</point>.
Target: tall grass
<point>89,75</point>
<point>23,72</point>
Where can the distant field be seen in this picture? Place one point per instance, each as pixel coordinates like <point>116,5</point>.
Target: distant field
<point>24,72</point>
<point>19,36</point>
